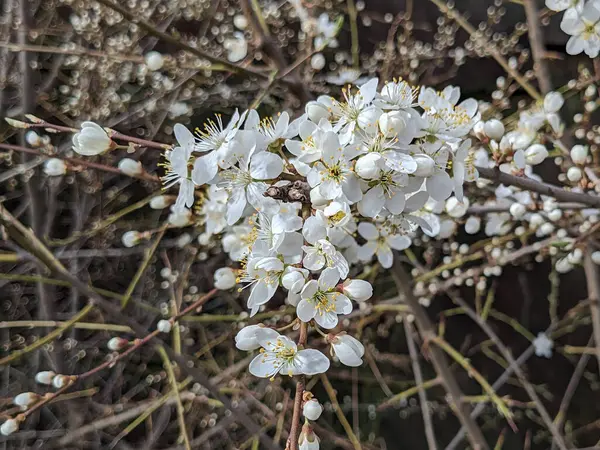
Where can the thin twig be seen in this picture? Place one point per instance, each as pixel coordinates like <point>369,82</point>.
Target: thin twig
<point>412,350</point>
<point>538,50</point>
<point>593,286</point>
<point>339,413</point>
<point>438,358</point>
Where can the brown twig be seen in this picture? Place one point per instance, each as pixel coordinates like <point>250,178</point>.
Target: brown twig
<point>529,184</point>
<point>538,50</point>
<point>593,286</point>
<point>438,358</point>
<point>300,384</point>
<point>412,350</point>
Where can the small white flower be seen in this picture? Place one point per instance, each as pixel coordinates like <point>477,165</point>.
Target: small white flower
<point>154,60</point>
<point>55,167</point>
<point>322,254</point>
<point>91,140</point>
<point>583,24</point>
<point>240,21</point>
<point>312,409</point>
<point>117,343</point>
<point>131,238</point>
<point>348,349</point>
<point>322,302</point>
<point>380,242</point>
<point>358,290</point>
<point>178,164</point>
<point>280,354</point>
<point>263,274</point>
<point>164,326</point>
<point>130,167</point>
<point>45,377</point>
<point>236,46</point>
<point>596,257</point>
<point>224,278</point>
<point>543,345</point>
<point>9,427</point>
<point>26,399</point>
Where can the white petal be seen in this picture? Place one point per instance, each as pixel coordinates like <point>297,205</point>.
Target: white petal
<point>368,231</point>
<point>329,279</point>
<point>266,166</point>
<point>305,310</point>
<point>312,362</point>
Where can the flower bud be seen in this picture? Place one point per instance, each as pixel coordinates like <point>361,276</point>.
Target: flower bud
<point>180,219</point>
<point>312,409</point>
<point>535,154</point>
<point>224,278</point>
<point>131,238</point>
<point>425,166</point>
<point>91,140</point>
<point>348,349</point>
<point>574,174</point>
<point>308,440</point>
<point>473,225</point>
<point>367,166</point>
<point>317,62</point>
<point>517,210</point>
<point>55,167</point>
<point>33,139</point>
<point>154,60</point>
<point>25,399</point>
<point>45,377</point>
<point>596,257</point>
<point>130,167</point>
<point>579,154</point>
<point>9,427</point>
<point>60,381</point>
<point>555,215</point>
<point>160,201</point>
<point>359,290</point>
<point>164,326</point>
<point>117,343</point>
<point>563,266</point>
<point>494,129</point>
<point>240,21</point>
<point>535,220</point>
<point>456,209</point>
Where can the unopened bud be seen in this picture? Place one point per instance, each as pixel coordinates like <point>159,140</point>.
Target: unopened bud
<point>26,399</point>
<point>117,343</point>
<point>9,427</point>
<point>45,377</point>
<point>164,326</point>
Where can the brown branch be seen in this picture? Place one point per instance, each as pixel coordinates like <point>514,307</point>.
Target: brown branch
<point>529,184</point>
<point>438,358</point>
<point>300,384</point>
<point>593,286</point>
<point>538,50</point>
<point>412,350</point>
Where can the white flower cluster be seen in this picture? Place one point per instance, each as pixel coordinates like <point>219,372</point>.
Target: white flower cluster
<point>297,203</point>
<point>581,21</point>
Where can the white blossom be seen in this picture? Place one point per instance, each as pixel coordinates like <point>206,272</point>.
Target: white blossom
<point>347,349</point>
<point>281,355</point>
<point>154,60</point>
<point>54,167</point>
<point>130,167</point>
<point>91,140</point>
<point>9,426</point>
